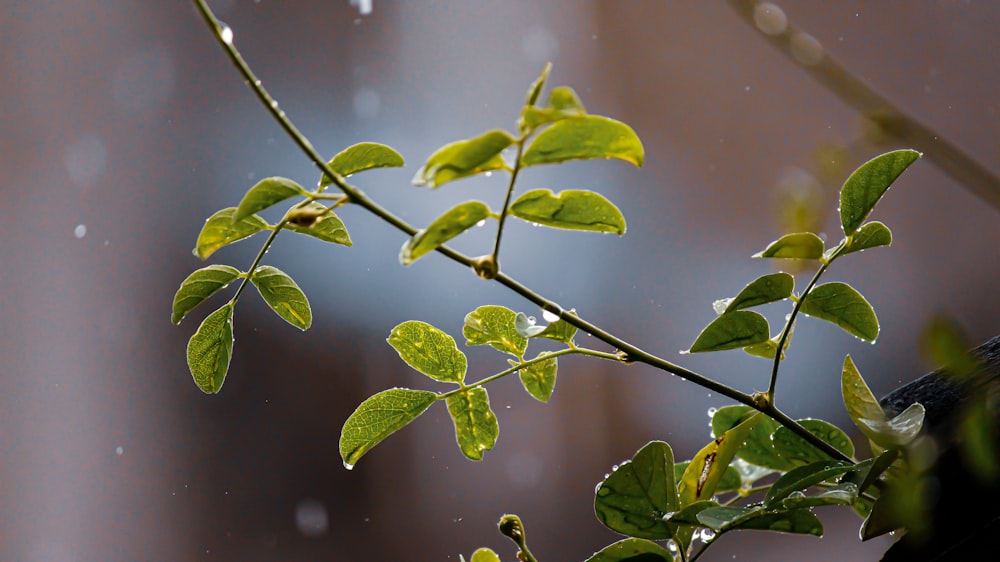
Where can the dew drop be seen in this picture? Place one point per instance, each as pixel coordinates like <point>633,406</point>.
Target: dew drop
<point>488,174</point>
<point>770,19</point>
<point>226,33</point>
<point>348,465</point>
<point>549,317</point>
<point>481,223</point>
<point>712,411</point>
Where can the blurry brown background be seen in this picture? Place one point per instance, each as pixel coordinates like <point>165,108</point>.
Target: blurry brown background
<point>122,127</point>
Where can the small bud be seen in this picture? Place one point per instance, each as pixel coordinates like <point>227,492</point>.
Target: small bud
<point>486,267</point>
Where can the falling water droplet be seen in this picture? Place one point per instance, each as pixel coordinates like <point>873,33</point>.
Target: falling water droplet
<point>364,6</point>
<point>348,465</point>
<point>119,450</point>
<point>80,231</point>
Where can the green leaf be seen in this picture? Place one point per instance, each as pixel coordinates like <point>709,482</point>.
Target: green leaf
<point>484,555</point>
<point>798,246</point>
<point>563,104</point>
<point>590,136</point>
<point>449,225</point>
<point>536,87</point>
<point>539,379</point>
<point>200,285</point>
<point>839,303</point>
<point>265,193</point>
<point>725,518</point>
<point>572,209</point>
<point>840,494</point>
<point>766,349</point>
<point>702,476</point>
<point>730,481</point>
<point>633,499</point>
<point>867,184</point>
<point>946,345</point>
<point>465,158</point>
<point>210,349</point>
<point>379,417</point>
<point>560,330</point>
<point>494,326</point>
<point>429,350</point>
<point>768,288</point>
<point>324,225</point>
<point>476,427</point>
<point>731,331</point>
<point>867,414</point>
<point>220,230</point>
<point>360,157</point>
<point>798,452</point>
<point>866,473</point>
<point>689,514</point>
<point>284,297</point>
<point>870,235</point>
<point>632,550</point>
<point>803,477</point>
<point>758,448</point>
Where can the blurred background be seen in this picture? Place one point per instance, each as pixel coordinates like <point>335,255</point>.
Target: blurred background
<point>123,127</point>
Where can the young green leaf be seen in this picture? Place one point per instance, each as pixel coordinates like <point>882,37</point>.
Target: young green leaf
<point>379,417</point>
<point>476,427</point>
<point>731,331</point>
<point>265,193</point>
<point>220,230</point>
<point>867,184</point>
<point>633,499</point>
<point>200,285</point>
<point>839,303</point>
<point>758,448</point>
<point>867,414</point>
<point>494,326</point>
<point>707,467</point>
<point>572,209</point>
<point>284,297</point>
<point>484,555</point>
<point>768,288</point>
<point>536,87</point>
<point>728,518</point>
<point>870,235</point>
<point>360,157</point>
<point>730,481</point>
<point>429,350</point>
<point>582,138</point>
<point>799,452</point>
<point>210,349</point>
<point>449,225</point>
<point>465,158</point>
<point>563,104</point>
<point>798,246</point>
<point>539,379</point>
<point>632,550</point>
<point>327,226</point>
<point>839,494</point>
<point>803,477</point>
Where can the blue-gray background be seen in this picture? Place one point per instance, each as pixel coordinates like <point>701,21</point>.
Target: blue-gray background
<point>122,127</point>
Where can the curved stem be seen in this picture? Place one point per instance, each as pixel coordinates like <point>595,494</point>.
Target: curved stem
<point>631,352</point>
<point>506,202</point>
<point>853,91</point>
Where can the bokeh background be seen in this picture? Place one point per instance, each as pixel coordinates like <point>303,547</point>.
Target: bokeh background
<point>123,126</point>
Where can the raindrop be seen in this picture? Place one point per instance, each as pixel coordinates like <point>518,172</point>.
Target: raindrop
<point>119,450</point>
<point>80,231</point>
<point>364,6</point>
<point>770,19</point>
<point>481,223</point>
<point>488,174</point>
<point>311,518</point>
<point>226,33</point>
<point>712,411</point>
<point>549,317</point>
<point>348,465</point>
<point>806,49</point>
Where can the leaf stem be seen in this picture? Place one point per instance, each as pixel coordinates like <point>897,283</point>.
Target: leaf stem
<point>506,202</point>
<point>260,256</point>
<point>853,91</point>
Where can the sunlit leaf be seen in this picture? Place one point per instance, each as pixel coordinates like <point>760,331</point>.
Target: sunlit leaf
<point>632,550</point>
<point>429,350</point>
<point>200,285</point>
<point>732,331</point>
<point>867,184</point>
<point>572,209</point>
<point>220,230</point>
<point>283,296</point>
<point>839,303</point>
<point>563,104</point>
<point>494,325</point>
<point>484,555</point>
<point>798,479</point>
<point>730,481</point>
<point>768,288</point>
<point>265,193</point>
<point>798,452</point>
<point>633,499</point>
<point>590,136</point>
<point>758,448</point>
<point>379,417</point>
<point>702,476</point>
<point>476,427</point>
<point>798,246</point>
<point>210,349</point>
<point>464,158</point>
<point>360,157</point>
<point>453,222</point>
<point>326,226</point>
<point>539,379</point>
<point>870,235</point>
<point>868,416</point>
<point>560,330</point>
<point>536,87</point>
